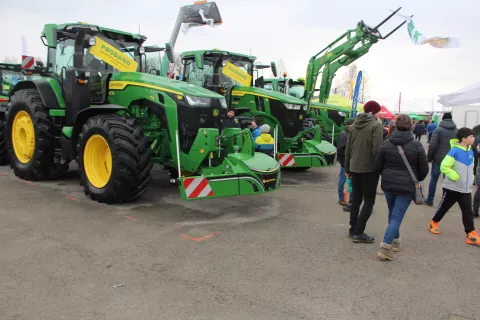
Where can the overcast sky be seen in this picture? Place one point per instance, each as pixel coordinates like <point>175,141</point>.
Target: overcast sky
<point>289,30</point>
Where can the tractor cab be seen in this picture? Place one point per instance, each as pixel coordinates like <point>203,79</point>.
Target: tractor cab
<point>80,53</point>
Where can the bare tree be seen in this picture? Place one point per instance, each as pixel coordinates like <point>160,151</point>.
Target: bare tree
<point>343,88</point>
<point>11,59</point>
<point>364,94</point>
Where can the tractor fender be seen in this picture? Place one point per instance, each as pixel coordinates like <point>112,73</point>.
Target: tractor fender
<point>86,114</point>
<point>44,88</point>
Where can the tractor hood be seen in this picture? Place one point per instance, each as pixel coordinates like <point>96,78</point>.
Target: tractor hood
<point>240,90</point>
<point>328,106</point>
<point>120,80</point>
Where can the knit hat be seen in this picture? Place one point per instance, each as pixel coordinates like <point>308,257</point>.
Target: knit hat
<point>265,128</point>
<point>350,121</point>
<point>447,116</point>
<point>372,107</point>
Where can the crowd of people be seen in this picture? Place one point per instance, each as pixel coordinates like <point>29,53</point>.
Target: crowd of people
<point>366,154</point>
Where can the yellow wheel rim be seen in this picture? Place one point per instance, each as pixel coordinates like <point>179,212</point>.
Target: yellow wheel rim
<point>23,137</point>
<point>97,161</point>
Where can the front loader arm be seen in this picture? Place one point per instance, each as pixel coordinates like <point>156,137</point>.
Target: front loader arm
<point>339,53</point>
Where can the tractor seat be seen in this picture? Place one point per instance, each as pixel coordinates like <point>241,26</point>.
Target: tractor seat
<point>245,122</point>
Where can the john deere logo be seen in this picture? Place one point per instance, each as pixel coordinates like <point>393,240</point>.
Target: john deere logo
<point>300,117</point>
<point>216,112</point>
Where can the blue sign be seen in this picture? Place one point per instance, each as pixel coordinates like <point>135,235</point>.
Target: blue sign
<point>355,94</point>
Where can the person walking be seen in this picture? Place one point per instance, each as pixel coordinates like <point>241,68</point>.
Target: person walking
<point>457,185</point>
<point>430,128</point>
<point>437,150</point>
<point>363,144</point>
<point>341,147</point>
<point>419,130</point>
<point>397,183</point>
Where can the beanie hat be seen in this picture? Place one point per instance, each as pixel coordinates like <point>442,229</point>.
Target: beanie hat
<point>447,116</point>
<point>265,128</point>
<point>372,107</point>
<point>350,121</point>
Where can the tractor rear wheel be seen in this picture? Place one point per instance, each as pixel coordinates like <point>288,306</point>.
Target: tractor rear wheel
<point>114,159</point>
<point>3,142</point>
<point>29,135</point>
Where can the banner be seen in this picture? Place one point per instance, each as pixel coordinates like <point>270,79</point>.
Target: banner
<point>114,57</point>
<point>356,93</point>
<point>419,39</point>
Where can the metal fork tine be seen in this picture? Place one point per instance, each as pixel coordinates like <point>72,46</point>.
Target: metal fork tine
<point>386,19</point>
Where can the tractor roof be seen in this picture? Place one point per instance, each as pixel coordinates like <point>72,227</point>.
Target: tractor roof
<point>121,35</point>
<point>202,52</point>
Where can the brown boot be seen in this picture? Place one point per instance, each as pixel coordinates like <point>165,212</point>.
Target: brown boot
<point>396,245</point>
<point>386,252</point>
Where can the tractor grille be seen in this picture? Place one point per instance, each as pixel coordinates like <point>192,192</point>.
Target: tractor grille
<point>269,180</point>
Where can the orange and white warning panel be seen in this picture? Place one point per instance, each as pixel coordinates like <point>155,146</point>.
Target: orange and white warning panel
<point>286,160</point>
<point>197,188</point>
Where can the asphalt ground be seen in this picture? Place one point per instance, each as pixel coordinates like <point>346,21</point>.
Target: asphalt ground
<point>282,255</point>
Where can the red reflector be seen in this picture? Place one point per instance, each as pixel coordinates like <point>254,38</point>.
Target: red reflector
<point>3,100</point>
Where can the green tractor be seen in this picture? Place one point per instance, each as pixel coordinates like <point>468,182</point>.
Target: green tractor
<point>346,49</point>
<point>10,74</point>
<point>331,118</point>
<point>231,75</point>
<point>94,103</point>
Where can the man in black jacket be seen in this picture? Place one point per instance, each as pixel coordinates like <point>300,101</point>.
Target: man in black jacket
<point>419,129</point>
<point>230,121</point>
<point>363,144</point>
<point>341,146</point>
<point>437,150</point>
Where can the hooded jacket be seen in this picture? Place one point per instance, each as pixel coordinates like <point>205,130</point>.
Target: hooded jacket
<point>363,144</point>
<point>440,142</point>
<point>458,168</point>
<point>395,176</point>
<point>264,142</point>
<point>342,146</point>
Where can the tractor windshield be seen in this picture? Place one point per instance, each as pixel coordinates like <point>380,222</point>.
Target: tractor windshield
<point>296,90</point>
<point>220,71</point>
<point>62,56</point>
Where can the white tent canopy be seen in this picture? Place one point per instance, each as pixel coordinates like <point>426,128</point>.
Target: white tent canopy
<point>465,96</point>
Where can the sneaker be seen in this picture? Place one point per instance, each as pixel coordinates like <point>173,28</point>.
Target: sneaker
<point>347,208</point>
<point>473,238</point>
<point>343,203</point>
<point>428,203</point>
<point>386,252</point>
<point>433,227</point>
<point>396,245</point>
<point>363,238</point>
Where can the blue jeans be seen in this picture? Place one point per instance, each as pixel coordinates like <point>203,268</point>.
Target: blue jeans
<point>432,187</point>
<point>397,207</point>
<point>341,184</point>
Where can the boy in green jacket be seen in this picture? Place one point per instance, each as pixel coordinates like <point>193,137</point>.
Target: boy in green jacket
<point>457,185</point>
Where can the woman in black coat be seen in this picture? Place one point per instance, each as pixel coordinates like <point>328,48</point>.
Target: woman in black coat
<point>397,183</point>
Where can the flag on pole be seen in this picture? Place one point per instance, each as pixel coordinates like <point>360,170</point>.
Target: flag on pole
<point>419,39</point>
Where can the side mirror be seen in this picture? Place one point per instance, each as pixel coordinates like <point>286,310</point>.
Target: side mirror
<point>169,51</point>
<point>274,69</point>
<point>259,82</point>
<point>78,51</point>
<point>39,64</point>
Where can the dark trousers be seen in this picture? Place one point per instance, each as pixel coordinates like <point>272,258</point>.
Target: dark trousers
<point>364,188</point>
<point>476,201</point>
<point>429,137</point>
<point>418,136</point>
<point>464,201</point>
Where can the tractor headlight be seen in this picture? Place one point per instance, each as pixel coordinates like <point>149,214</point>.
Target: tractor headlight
<point>141,50</point>
<point>341,113</point>
<point>92,41</point>
<point>198,101</point>
<point>223,103</point>
<point>292,106</point>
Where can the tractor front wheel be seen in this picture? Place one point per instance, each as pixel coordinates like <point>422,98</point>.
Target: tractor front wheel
<point>114,159</point>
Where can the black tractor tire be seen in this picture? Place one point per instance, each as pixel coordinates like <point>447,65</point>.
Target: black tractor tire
<point>41,165</point>
<point>130,156</point>
<point>3,142</point>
